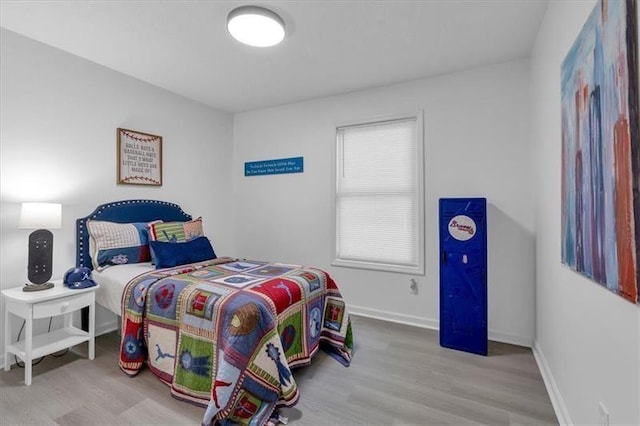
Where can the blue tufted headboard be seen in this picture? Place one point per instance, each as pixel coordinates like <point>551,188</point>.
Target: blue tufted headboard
<point>126,211</point>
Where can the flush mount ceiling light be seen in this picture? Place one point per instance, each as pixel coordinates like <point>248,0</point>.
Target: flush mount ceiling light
<point>255,26</point>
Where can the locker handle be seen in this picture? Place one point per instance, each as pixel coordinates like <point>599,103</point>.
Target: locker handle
<point>444,256</point>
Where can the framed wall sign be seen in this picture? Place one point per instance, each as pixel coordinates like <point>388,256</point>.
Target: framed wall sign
<point>139,158</point>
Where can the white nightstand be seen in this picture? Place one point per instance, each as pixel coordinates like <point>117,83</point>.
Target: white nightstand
<point>59,300</point>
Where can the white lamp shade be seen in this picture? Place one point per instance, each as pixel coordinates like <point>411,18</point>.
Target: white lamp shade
<point>40,216</point>
<point>255,26</point>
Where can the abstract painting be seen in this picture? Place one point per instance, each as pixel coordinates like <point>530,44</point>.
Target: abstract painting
<point>601,150</point>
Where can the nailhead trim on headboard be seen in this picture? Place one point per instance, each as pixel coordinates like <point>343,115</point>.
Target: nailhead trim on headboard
<point>171,212</point>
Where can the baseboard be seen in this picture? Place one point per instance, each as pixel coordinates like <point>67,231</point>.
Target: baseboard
<point>432,324</point>
<point>415,321</point>
<point>498,336</point>
<point>552,388</point>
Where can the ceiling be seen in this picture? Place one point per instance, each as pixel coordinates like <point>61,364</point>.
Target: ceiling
<point>331,47</point>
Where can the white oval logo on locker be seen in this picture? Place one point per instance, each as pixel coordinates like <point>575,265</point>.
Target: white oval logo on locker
<point>462,228</point>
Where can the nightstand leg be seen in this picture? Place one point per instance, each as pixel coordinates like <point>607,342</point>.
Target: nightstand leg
<point>28,346</point>
<point>92,331</point>
<point>7,336</point>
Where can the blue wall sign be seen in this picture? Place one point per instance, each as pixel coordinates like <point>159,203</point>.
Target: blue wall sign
<point>274,167</point>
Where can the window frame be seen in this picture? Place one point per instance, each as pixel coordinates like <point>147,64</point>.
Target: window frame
<point>419,268</point>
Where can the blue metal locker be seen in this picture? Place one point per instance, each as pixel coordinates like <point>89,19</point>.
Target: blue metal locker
<point>463,274</point>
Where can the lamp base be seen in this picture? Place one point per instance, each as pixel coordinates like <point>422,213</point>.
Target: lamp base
<point>37,287</point>
<point>40,256</point>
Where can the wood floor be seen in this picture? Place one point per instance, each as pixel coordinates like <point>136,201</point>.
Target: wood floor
<point>399,376</point>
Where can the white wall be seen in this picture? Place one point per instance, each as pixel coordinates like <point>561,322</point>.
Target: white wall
<point>58,119</point>
<point>587,337</point>
<point>476,144</point>
<point>58,143</point>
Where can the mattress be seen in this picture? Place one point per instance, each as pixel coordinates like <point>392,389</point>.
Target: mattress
<point>112,282</point>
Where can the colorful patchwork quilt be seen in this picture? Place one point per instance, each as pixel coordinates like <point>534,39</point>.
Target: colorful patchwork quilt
<point>225,333</point>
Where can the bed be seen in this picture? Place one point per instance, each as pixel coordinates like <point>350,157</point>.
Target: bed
<point>222,333</point>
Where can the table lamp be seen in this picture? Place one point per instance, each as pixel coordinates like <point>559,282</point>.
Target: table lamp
<point>41,217</point>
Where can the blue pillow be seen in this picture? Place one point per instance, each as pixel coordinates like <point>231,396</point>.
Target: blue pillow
<point>168,255</point>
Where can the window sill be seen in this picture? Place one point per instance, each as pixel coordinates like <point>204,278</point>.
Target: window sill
<point>373,266</point>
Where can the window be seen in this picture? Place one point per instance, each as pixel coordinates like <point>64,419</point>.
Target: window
<point>379,200</point>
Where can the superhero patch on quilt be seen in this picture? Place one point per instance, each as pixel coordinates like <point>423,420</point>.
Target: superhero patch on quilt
<point>284,293</point>
<point>271,271</point>
<point>291,335</point>
<point>314,321</point>
<point>200,303</point>
<point>237,281</point>
<point>193,364</point>
<point>162,353</point>
<point>241,266</point>
<point>132,345</point>
<point>333,314</point>
<point>246,407</point>
<point>269,367</point>
<point>226,378</point>
<point>245,319</point>
<point>139,294</point>
<point>199,307</point>
<point>312,283</point>
<point>206,273</point>
<point>163,298</point>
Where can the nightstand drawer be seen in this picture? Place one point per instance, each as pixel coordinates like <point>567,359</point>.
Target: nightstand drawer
<point>62,305</point>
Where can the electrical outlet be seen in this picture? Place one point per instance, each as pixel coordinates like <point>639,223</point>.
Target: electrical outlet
<point>604,414</point>
<point>413,286</point>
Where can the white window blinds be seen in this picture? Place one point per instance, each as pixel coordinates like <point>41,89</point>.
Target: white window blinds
<point>377,194</point>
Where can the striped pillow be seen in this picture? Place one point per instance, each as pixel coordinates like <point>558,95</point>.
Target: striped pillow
<point>176,232</point>
<point>113,243</point>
